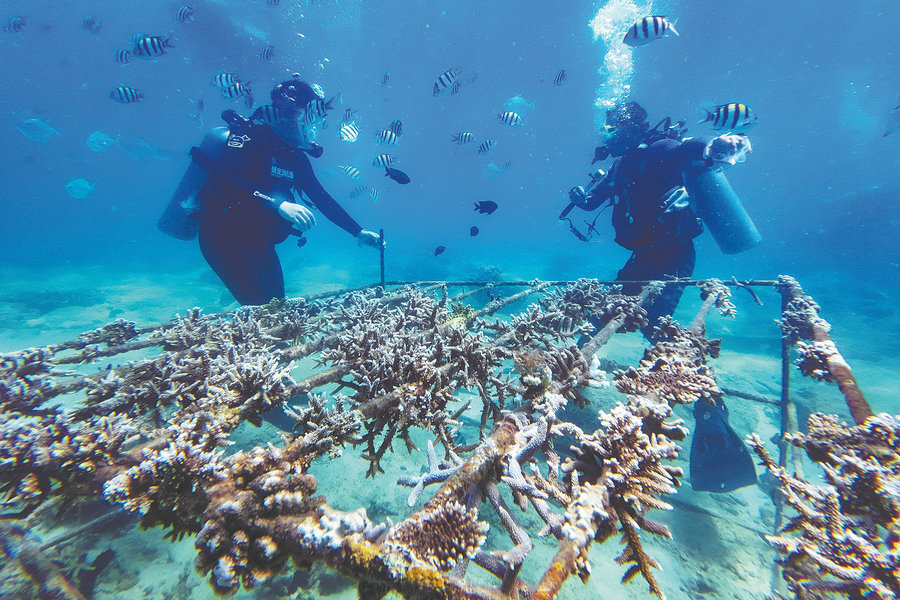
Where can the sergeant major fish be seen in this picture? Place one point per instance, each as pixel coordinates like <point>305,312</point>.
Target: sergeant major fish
<point>349,132</point>
<point>184,14</point>
<point>125,95</point>
<point>509,118</point>
<point>445,81</point>
<point>397,127</point>
<point>15,24</point>
<point>350,171</point>
<point>384,160</point>
<point>267,53</point>
<point>386,137</point>
<point>734,116</point>
<point>487,146</point>
<point>151,46</point>
<point>463,137</point>
<point>647,30</point>
<point>236,90</point>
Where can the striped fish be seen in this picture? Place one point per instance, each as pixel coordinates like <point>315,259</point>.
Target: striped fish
<point>349,116</point>
<point>123,57</point>
<point>125,95</point>
<point>350,171</point>
<point>316,110</point>
<point>273,2</point>
<point>224,80</point>
<point>647,30</point>
<point>15,24</point>
<point>560,77</point>
<point>397,127</point>
<point>349,132</point>
<point>384,160</point>
<point>463,137</point>
<point>385,80</point>
<point>185,14</point>
<point>486,146</point>
<point>386,137</point>
<point>267,114</point>
<point>267,53</point>
<point>151,46</point>
<point>734,117</point>
<point>364,190</point>
<point>445,81</point>
<point>236,90</point>
<point>509,118</point>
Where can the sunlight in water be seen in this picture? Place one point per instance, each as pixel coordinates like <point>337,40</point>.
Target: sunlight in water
<point>617,68</point>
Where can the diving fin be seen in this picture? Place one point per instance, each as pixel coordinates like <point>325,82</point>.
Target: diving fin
<point>720,461</point>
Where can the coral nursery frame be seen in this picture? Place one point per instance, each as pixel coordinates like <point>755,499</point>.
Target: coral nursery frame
<point>151,436</point>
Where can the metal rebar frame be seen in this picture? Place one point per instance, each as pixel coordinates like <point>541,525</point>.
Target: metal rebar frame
<point>213,372</point>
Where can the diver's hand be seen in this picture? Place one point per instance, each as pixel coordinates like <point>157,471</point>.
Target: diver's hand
<point>728,149</point>
<point>578,196</point>
<point>368,238</point>
<point>297,214</point>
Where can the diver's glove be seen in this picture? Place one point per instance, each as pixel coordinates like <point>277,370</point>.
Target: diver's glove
<point>368,238</point>
<point>299,215</point>
<point>727,150</point>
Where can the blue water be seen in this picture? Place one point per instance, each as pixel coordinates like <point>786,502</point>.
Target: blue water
<point>822,183</point>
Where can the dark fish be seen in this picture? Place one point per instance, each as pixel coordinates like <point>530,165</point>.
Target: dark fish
<point>473,231</point>
<point>91,25</point>
<point>397,175</point>
<point>397,127</point>
<point>439,250</point>
<point>267,53</point>
<point>486,207</point>
<point>560,77</point>
<point>125,95</point>
<point>184,14</point>
<point>385,79</point>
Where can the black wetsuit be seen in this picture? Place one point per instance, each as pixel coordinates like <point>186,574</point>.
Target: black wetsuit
<point>642,185</point>
<point>238,231</point>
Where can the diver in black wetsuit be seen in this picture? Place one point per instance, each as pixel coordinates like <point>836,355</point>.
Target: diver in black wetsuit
<point>243,193</point>
<point>652,213</point>
<point>655,218</point>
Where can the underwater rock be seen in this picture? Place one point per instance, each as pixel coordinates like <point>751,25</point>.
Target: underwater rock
<point>518,104</point>
<point>100,142</point>
<point>37,129</point>
<point>79,188</point>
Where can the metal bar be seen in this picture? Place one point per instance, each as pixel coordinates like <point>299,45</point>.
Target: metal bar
<point>604,335</point>
<point>520,283</point>
<point>496,305</point>
<point>381,254</point>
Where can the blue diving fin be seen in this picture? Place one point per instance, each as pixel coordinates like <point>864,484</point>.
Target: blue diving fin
<point>720,461</point>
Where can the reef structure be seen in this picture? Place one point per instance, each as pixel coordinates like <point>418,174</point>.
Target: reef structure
<point>153,436</point>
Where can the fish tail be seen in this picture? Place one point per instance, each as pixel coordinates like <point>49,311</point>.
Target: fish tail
<point>709,116</point>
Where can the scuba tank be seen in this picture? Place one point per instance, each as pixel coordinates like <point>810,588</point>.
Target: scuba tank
<point>721,209</point>
<point>177,220</point>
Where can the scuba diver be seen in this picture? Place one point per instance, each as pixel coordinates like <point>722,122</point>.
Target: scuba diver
<point>663,187</point>
<point>243,192</point>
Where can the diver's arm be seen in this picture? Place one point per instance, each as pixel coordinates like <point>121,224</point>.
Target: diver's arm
<point>306,180</point>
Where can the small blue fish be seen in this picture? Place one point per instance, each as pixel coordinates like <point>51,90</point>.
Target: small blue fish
<point>439,250</point>
<point>473,231</point>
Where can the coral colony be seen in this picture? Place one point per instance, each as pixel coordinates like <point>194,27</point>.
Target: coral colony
<point>151,435</point>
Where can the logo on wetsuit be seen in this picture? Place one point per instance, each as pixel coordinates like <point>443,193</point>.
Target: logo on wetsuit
<point>238,141</point>
<point>282,173</point>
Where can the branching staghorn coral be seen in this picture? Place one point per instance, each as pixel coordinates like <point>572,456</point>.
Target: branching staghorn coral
<point>845,537</point>
<point>401,357</point>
